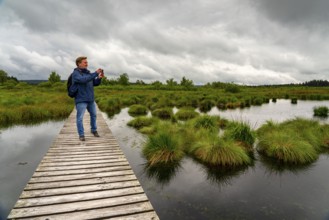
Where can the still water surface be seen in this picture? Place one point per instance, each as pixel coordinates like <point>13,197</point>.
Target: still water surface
<point>263,191</point>
<point>21,150</point>
<point>189,190</point>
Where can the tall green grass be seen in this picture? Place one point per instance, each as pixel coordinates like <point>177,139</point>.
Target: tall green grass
<point>137,109</point>
<point>163,147</point>
<point>296,141</point>
<point>163,113</point>
<point>321,111</point>
<point>18,106</point>
<point>242,133</point>
<point>186,114</point>
<point>213,150</point>
<point>141,122</point>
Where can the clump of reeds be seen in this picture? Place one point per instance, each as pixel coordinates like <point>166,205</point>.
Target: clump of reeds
<point>186,114</point>
<point>294,100</point>
<point>321,111</point>
<point>213,150</point>
<point>111,106</point>
<point>206,122</point>
<point>257,101</point>
<point>286,146</point>
<point>163,113</point>
<point>141,122</point>
<point>137,109</point>
<point>295,141</point>
<point>163,147</point>
<point>206,105</point>
<point>148,130</point>
<point>242,133</point>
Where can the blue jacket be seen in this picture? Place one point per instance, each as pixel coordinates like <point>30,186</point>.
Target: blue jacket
<point>85,82</point>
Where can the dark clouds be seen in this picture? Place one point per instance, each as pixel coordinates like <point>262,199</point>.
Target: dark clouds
<point>253,42</point>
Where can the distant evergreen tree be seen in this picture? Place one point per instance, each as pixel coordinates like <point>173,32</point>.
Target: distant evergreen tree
<point>186,82</point>
<point>3,76</point>
<point>316,83</point>
<point>54,77</point>
<point>171,82</point>
<point>140,82</point>
<point>123,79</point>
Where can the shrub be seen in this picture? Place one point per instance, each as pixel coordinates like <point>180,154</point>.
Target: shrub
<point>232,88</point>
<point>321,111</point>
<point>45,84</point>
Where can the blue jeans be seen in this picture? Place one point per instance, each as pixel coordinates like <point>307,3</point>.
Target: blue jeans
<point>81,108</point>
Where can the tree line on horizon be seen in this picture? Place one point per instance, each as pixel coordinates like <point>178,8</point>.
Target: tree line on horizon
<point>123,79</point>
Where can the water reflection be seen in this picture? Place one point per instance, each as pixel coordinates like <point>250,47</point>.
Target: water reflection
<point>264,190</point>
<point>222,176</point>
<point>276,167</point>
<point>162,173</point>
<point>21,150</point>
<point>280,111</point>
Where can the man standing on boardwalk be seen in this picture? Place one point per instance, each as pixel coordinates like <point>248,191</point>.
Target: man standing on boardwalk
<point>85,81</point>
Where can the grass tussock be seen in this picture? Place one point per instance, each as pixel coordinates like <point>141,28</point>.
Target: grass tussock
<point>137,109</point>
<point>242,133</point>
<point>216,151</point>
<point>163,113</point>
<point>206,122</point>
<point>141,122</point>
<point>296,141</point>
<point>186,114</point>
<point>163,147</point>
<point>321,111</point>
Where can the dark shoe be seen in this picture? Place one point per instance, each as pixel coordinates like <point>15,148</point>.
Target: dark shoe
<point>82,138</point>
<point>95,133</point>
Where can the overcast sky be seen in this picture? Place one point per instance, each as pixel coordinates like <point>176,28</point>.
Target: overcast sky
<point>241,41</point>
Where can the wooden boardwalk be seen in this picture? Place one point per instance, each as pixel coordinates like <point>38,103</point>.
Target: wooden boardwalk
<point>83,180</point>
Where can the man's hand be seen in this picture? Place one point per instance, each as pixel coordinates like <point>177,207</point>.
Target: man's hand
<point>99,71</point>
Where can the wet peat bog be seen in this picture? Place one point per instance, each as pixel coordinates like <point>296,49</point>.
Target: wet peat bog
<point>190,190</point>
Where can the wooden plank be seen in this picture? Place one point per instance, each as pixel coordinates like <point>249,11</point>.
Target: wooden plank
<point>77,206</point>
<point>49,200</point>
<point>81,150</point>
<point>140,216</point>
<point>46,163</point>
<point>108,157</point>
<point>81,153</point>
<point>78,189</point>
<point>100,213</point>
<point>56,157</point>
<point>79,171</point>
<point>100,180</point>
<point>47,168</point>
<point>78,176</point>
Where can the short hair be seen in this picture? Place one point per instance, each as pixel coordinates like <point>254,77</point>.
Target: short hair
<point>79,60</point>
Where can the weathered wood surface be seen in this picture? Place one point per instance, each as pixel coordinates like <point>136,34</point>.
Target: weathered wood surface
<point>83,180</point>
